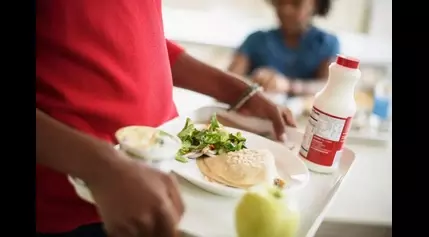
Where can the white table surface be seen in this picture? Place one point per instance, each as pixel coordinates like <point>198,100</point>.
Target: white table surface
<point>365,196</point>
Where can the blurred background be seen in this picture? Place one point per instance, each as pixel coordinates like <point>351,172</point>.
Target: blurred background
<point>212,30</point>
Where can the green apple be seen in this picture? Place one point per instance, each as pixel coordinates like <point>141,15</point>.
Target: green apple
<point>266,212</point>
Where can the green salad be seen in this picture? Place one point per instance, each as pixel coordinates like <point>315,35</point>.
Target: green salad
<point>210,141</point>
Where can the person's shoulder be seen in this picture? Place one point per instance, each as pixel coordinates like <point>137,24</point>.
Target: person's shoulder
<point>324,42</point>
<point>324,38</point>
<point>257,38</point>
<point>259,34</point>
<point>256,42</point>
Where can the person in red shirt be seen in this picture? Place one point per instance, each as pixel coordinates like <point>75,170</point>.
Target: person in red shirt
<point>102,65</point>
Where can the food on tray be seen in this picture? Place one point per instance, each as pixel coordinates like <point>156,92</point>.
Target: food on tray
<point>240,169</point>
<point>210,141</point>
<point>147,142</point>
<point>143,137</point>
<point>223,157</point>
<point>265,211</point>
<point>279,182</point>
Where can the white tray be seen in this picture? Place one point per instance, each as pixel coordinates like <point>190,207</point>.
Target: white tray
<point>209,215</point>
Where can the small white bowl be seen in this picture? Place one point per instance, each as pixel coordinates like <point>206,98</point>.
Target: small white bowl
<point>147,143</point>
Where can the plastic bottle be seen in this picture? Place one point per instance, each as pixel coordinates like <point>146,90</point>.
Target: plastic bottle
<point>382,110</point>
<point>331,115</point>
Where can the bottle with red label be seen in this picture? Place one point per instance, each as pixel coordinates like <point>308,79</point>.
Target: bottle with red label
<point>333,109</point>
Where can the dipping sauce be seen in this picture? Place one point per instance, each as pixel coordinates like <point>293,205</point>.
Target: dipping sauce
<point>148,143</point>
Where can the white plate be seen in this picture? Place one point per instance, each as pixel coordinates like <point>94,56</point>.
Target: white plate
<point>289,165</point>
<point>314,199</point>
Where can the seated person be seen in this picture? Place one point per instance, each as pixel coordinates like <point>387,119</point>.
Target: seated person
<point>293,58</point>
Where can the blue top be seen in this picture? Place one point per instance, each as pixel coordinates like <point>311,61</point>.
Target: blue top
<point>268,49</point>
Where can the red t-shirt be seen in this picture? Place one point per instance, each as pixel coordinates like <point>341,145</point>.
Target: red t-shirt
<point>100,65</point>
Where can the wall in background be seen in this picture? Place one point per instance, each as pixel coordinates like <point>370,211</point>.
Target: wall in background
<point>212,29</point>
<point>345,16</point>
<point>381,18</point>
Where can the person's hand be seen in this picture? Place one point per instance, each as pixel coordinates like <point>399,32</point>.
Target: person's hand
<point>260,106</point>
<point>135,200</point>
<point>297,87</point>
<point>271,80</point>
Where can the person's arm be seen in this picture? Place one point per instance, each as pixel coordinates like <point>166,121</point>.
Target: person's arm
<point>174,51</point>
<point>72,152</point>
<point>240,64</point>
<point>307,87</point>
<point>310,87</point>
<point>192,74</point>
<point>242,59</point>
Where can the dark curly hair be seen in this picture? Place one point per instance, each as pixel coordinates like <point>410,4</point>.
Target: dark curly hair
<point>322,7</point>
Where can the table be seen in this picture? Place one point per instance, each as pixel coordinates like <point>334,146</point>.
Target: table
<point>365,196</point>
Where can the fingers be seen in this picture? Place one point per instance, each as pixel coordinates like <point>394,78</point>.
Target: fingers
<point>283,84</point>
<point>271,84</point>
<point>265,77</point>
<point>288,117</point>
<point>279,126</point>
<point>171,210</point>
<point>263,80</point>
<point>146,225</point>
<point>174,195</point>
<point>297,87</point>
<point>166,221</point>
<point>125,230</point>
<point>257,76</point>
<point>270,81</point>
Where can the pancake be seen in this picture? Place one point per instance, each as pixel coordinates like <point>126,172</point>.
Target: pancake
<point>240,169</point>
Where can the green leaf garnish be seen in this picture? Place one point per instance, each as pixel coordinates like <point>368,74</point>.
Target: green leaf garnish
<point>215,137</point>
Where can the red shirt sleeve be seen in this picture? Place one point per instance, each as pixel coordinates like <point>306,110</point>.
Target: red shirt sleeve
<point>174,51</point>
